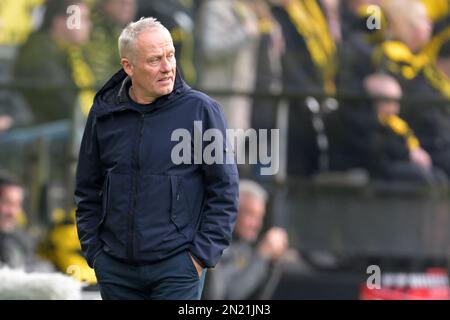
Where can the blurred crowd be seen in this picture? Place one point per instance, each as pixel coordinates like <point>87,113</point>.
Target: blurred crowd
<point>54,55</point>
<point>367,82</point>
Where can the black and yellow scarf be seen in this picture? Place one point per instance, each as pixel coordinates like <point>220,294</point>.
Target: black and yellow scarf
<point>311,24</point>
<point>400,60</point>
<point>82,76</point>
<point>435,77</point>
<point>401,128</point>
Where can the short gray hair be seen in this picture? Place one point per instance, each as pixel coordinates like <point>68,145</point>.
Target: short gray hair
<point>253,189</point>
<point>129,35</point>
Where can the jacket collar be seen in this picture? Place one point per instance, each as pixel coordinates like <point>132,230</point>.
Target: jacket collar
<point>113,95</point>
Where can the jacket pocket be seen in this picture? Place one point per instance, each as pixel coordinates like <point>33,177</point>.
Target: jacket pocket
<point>180,214</point>
<point>151,213</point>
<point>115,208</point>
<point>104,195</point>
<point>161,218</point>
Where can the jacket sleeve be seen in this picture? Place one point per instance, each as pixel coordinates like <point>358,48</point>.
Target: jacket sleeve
<point>221,202</point>
<point>89,182</point>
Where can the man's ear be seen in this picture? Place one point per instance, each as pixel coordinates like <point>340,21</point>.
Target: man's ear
<point>127,66</point>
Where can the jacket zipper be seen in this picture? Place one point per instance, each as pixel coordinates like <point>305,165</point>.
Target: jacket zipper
<point>105,199</point>
<point>131,233</point>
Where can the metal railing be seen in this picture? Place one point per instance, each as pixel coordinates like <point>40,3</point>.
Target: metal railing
<point>338,212</point>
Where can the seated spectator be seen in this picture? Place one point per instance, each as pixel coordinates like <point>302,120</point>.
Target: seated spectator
<point>245,267</point>
<point>179,18</point>
<point>53,55</point>
<point>268,69</point>
<point>18,18</point>
<point>400,155</point>
<point>228,42</point>
<point>407,35</point>
<point>358,44</point>
<point>108,19</point>
<point>309,66</point>
<point>431,122</point>
<point>410,56</point>
<point>16,247</point>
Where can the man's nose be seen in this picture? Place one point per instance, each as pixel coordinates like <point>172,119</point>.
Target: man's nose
<point>166,65</point>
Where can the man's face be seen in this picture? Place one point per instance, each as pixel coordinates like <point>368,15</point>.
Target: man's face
<point>11,199</point>
<point>153,70</point>
<point>121,11</point>
<point>78,34</point>
<point>250,218</point>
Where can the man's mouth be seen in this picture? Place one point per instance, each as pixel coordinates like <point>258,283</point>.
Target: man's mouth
<point>165,79</point>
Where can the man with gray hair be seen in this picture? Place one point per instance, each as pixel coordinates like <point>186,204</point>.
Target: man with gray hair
<point>246,264</point>
<point>149,225</point>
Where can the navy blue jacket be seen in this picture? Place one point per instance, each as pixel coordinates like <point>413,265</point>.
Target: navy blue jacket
<point>132,201</point>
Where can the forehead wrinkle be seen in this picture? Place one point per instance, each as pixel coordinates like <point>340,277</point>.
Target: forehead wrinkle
<point>152,49</point>
<point>155,40</point>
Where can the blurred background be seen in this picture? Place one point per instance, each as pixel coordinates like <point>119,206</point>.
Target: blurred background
<point>360,93</point>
